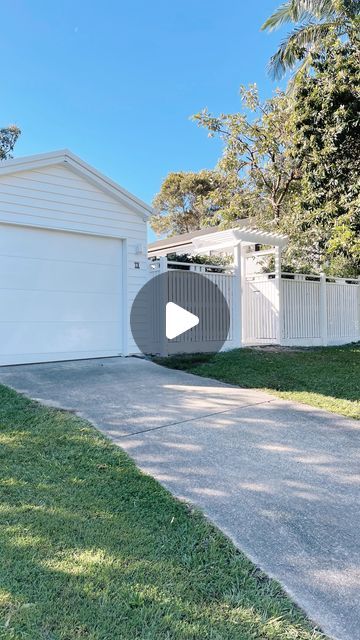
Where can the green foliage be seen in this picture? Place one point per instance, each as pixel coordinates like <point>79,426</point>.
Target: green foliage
<point>315,21</point>
<point>219,261</point>
<point>258,154</point>
<point>292,163</point>
<point>185,202</point>
<point>326,122</point>
<point>8,138</point>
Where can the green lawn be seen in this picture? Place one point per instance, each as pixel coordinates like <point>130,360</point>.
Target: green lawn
<point>91,548</point>
<point>327,377</point>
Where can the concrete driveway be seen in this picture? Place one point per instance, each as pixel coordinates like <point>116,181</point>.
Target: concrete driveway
<point>281,479</point>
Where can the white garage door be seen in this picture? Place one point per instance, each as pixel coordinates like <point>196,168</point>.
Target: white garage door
<point>60,295</point>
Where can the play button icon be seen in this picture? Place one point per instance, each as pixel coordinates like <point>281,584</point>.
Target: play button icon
<point>178,320</point>
<point>182,311</point>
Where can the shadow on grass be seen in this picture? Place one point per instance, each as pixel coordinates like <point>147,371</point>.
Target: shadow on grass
<point>91,548</point>
<point>326,377</point>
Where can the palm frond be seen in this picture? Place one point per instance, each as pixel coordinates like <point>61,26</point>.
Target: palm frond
<point>296,10</point>
<point>321,9</point>
<point>282,15</point>
<point>302,70</point>
<point>297,44</point>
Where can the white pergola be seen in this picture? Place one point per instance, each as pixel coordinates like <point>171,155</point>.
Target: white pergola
<point>224,240</point>
<point>237,241</point>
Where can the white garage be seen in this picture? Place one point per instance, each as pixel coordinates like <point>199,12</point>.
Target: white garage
<point>72,258</point>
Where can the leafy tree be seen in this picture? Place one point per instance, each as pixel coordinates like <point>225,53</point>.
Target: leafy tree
<point>8,138</point>
<point>326,122</point>
<point>185,202</point>
<point>217,262</point>
<point>289,164</point>
<point>257,157</point>
<point>315,21</point>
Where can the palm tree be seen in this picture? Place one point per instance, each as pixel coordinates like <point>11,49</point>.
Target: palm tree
<point>316,20</point>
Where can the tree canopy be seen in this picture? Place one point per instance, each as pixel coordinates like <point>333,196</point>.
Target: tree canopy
<point>326,124</point>
<point>258,153</point>
<point>188,201</point>
<point>8,138</point>
<point>290,163</point>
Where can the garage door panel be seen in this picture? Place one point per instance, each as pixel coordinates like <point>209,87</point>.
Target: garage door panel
<point>58,245</point>
<point>60,295</point>
<point>50,306</point>
<point>25,274</point>
<point>55,338</point>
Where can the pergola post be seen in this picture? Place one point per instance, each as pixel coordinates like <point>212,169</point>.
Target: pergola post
<point>278,296</point>
<point>323,310</point>
<point>237,293</point>
<point>163,267</point>
<point>243,294</point>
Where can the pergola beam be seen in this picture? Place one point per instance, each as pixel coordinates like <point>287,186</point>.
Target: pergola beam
<point>228,239</point>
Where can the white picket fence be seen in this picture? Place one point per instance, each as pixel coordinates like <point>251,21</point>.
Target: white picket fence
<point>291,310</point>
<point>311,310</point>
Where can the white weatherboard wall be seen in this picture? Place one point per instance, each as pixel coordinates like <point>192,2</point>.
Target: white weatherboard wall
<point>68,250</point>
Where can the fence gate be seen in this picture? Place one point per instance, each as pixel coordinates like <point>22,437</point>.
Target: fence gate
<point>260,315</point>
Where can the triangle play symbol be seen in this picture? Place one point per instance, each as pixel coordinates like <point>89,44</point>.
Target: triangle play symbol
<point>178,320</point>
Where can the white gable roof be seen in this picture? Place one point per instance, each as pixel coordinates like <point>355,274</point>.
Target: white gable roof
<point>78,166</point>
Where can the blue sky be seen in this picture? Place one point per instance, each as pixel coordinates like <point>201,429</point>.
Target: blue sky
<point>116,82</point>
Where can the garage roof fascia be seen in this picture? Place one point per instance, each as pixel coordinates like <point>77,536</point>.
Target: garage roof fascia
<point>78,166</point>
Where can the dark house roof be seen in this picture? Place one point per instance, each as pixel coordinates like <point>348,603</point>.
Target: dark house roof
<point>182,241</point>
